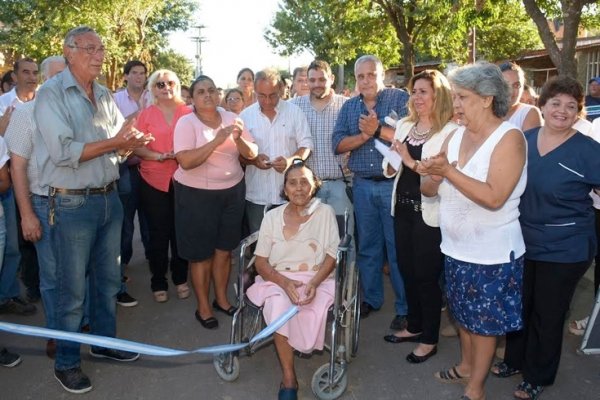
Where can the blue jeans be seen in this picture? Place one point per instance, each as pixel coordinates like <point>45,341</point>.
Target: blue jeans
<point>86,240</point>
<point>9,284</point>
<point>334,194</point>
<point>46,261</point>
<point>130,207</point>
<point>375,227</point>
<point>2,239</point>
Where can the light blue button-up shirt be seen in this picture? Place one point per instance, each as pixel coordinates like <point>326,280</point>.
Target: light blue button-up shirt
<point>66,121</point>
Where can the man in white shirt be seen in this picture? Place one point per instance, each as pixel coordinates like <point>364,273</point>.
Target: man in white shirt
<point>282,134</point>
<point>25,74</point>
<point>32,197</point>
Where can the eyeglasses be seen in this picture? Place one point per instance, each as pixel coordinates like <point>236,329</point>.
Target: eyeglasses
<point>162,85</point>
<point>234,100</point>
<point>91,50</point>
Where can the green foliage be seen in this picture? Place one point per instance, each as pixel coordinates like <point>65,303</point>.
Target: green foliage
<point>177,63</point>
<point>334,30</point>
<point>129,28</point>
<point>339,31</point>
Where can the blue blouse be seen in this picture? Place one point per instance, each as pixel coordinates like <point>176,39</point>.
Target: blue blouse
<point>557,217</point>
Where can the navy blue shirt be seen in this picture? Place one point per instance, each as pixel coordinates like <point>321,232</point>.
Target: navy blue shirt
<point>365,161</point>
<point>557,217</point>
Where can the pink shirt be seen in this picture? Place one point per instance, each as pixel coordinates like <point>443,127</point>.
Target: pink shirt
<point>151,120</point>
<point>222,169</point>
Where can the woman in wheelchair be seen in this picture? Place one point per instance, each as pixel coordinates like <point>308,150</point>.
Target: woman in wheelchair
<point>295,257</point>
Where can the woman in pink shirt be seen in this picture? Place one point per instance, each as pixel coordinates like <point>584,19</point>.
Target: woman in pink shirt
<point>209,194</point>
<point>156,168</point>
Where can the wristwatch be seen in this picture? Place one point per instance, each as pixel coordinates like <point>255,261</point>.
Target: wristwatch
<point>377,133</point>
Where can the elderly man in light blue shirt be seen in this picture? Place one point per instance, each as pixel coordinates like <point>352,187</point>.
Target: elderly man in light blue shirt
<point>83,136</point>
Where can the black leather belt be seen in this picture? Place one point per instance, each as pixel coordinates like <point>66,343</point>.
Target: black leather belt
<point>376,178</point>
<point>80,192</point>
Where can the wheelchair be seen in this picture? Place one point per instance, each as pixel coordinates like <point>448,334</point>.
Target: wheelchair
<point>342,332</point>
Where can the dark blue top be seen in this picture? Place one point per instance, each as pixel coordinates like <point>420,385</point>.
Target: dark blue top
<point>365,161</point>
<point>557,217</point>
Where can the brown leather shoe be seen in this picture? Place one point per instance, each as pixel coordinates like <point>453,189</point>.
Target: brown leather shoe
<point>51,348</point>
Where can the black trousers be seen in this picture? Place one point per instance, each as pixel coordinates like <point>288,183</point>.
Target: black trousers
<point>420,262</point>
<point>547,292</point>
<point>159,208</point>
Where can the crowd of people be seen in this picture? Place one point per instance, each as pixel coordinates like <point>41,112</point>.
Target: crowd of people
<point>468,187</point>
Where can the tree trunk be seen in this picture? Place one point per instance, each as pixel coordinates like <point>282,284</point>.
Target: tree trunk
<point>562,58</point>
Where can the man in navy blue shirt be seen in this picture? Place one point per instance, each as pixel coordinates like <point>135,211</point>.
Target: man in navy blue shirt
<point>360,122</point>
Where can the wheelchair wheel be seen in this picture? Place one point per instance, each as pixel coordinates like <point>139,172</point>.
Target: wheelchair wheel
<point>320,382</point>
<point>352,317</point>
<point>220,363</point>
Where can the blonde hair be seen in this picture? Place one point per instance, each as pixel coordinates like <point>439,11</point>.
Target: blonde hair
<point>442,99</point>
<point>154,78</point>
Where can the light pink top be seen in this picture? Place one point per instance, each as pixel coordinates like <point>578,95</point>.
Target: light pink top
<point>151,120</point>
<point>222,169</point>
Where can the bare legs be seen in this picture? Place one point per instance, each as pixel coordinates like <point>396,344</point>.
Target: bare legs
<point>218,267</point>
<point>285,353</point>
<point>477,353</point>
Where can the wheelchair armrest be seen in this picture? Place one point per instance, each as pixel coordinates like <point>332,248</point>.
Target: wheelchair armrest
<point>345,243</point>
<point>249,240</point>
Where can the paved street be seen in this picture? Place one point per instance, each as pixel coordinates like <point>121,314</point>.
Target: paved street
<point>379,371</point>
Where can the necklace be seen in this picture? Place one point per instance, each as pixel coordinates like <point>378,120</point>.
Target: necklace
<point>417,138</point>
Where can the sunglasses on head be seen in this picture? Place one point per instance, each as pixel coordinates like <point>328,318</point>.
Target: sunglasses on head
<point>162,84</point>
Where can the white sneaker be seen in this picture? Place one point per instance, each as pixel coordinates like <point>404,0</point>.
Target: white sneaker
<point>577,327</point>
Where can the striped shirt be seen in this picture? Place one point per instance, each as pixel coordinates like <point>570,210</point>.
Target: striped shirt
<point>283,136</point>
<point>325,164</point>
<point>365,161</point>
<point>592,107</point>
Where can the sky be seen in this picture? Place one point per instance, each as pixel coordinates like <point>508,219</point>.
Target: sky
<point>233,33</point>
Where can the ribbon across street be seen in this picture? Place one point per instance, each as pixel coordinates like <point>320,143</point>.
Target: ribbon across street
<point>146,349</point>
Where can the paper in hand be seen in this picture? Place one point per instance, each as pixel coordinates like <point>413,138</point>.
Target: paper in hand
<point>393,157</point>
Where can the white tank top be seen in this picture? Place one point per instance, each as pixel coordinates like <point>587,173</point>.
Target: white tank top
<point>473,233</point>
<point>519,116</point>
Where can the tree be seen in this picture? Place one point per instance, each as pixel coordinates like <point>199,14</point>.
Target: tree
<point>415,30</point>
<point>177,63</point>
<point>570,11</point>
<point>129,28</point>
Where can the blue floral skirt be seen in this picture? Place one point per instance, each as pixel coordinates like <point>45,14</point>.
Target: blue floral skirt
<point>485,299</point>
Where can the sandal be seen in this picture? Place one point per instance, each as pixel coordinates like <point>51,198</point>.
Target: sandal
<point>183,291</point>
<point>531,392</point>
<point>578,327</point>
<point>451,376</point>
<point>161,296</point>
<point>287,393</point>
<point>503,370</point>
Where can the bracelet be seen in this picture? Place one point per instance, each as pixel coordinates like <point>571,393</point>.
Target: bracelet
<point>416,165</point>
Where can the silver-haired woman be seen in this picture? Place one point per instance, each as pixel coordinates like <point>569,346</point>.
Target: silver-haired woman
<point>480,176</point>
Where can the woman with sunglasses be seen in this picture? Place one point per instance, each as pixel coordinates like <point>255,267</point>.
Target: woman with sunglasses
<point>523,116</point>
<point>157,195</point>
<point>234,101</point>
<point>209,194</point>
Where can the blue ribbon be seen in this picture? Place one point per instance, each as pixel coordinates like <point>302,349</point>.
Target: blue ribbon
<point>146,349</point>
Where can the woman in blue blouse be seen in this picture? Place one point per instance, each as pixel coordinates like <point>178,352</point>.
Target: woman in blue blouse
<point>557,220</point>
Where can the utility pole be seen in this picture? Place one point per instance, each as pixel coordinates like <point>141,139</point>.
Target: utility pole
<point>198,40</point>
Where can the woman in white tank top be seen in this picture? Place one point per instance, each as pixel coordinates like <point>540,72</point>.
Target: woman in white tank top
<point>479,176</point>
<point>521,115</point>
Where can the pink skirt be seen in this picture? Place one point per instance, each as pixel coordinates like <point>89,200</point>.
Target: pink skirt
<point>305,330</point>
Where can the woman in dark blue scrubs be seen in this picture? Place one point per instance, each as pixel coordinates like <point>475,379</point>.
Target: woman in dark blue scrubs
<point>557,220</point>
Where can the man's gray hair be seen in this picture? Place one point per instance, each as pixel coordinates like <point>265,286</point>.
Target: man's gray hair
<point>367,58</point>
<point>485,79</point>
<point>268,75</point>
<point>45,65</point>
<point>73,33</point>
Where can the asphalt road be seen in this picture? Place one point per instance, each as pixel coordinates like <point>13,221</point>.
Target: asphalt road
<point>378,372</point>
